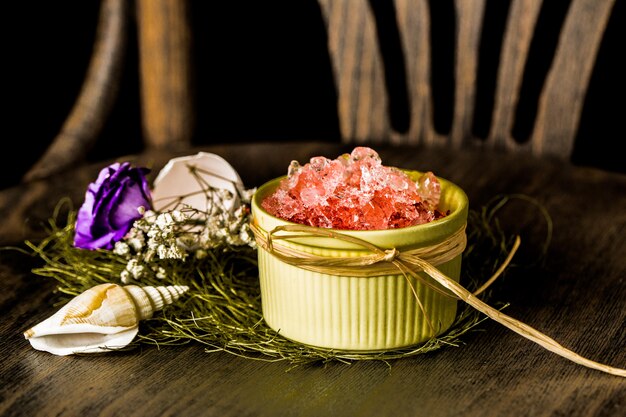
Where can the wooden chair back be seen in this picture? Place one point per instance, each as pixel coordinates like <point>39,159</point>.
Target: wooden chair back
<point>384,57</point>
<point>453,73</point>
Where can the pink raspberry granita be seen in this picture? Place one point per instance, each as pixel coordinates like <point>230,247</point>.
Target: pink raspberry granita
<point>354,192</point>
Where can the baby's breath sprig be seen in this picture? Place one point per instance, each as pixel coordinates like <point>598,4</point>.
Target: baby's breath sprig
<point>180,231</point>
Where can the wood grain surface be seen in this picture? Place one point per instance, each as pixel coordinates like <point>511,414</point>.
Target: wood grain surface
<point>82,127</point>
<point>165,67</point>
<point>384,65</point>
<point>577,296</point>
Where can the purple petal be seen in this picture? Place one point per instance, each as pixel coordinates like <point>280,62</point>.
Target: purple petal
<point>111,206</point>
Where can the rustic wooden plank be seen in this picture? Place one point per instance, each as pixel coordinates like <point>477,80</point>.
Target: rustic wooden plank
<point>358,70</point>
<point>561,101</point>
<point>576,296</point>
<point>414,27</point>
<point>520,27</point>
<point>469,21</point>
<point>165,68</point>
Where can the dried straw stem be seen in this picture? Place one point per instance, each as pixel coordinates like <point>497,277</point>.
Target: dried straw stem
<point>409,264</point>
<point>517,326</point>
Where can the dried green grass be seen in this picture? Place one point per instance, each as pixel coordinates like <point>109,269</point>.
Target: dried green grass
<point>222,309</point>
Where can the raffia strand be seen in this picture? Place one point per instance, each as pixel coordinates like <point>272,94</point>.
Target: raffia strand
<point>409,263</point>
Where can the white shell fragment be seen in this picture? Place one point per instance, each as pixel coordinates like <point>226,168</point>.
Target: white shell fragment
<point>102,318</point>
<point>176,180</point>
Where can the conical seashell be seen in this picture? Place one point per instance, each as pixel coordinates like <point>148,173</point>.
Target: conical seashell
<point>103,318</point>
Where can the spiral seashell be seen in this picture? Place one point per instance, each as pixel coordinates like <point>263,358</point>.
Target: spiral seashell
<point>103,318</point>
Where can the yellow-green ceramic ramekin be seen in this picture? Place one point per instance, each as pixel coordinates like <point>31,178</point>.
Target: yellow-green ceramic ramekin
<point>354,313</point>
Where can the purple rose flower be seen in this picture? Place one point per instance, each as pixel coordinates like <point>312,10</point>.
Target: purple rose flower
<point>112,204</point>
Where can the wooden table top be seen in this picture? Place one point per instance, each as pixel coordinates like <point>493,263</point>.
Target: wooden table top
<point>578,297</point>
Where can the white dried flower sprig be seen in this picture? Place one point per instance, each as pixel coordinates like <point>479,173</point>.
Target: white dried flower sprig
<point>181,232</point>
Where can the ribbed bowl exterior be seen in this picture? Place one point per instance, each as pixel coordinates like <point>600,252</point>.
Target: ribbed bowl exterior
<point>356,313</point>
<point>351,313</point>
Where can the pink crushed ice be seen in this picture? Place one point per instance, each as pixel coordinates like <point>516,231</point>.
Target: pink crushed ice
<point>354,192</point>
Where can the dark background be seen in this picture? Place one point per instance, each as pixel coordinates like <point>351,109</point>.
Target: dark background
<point>262,73</point>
